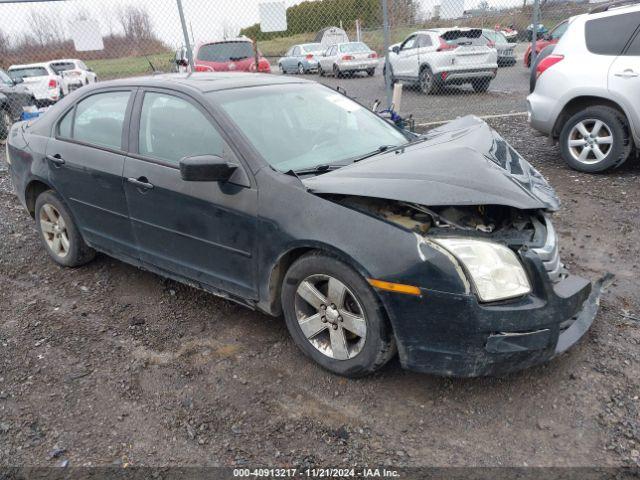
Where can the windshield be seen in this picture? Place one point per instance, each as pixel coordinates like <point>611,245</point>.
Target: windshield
<point>299,127</point>
<point>225,52</point>
<point>19,73</point>
<point>62,66</point>
<point>354,47</point>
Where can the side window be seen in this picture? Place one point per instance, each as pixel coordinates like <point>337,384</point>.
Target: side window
<point>64,126</point>
<point>634,47</point>
<point>424,41</point>
<point>409,43</point>
<point>296,52</point>
<point>558,32</point>
<point>609,35</point>
<point>172,128</point>
<point>100,119</point>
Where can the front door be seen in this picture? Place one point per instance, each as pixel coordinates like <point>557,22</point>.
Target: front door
<point>624,75</point>
<point>86,159</point>
<point>406,62</point>
<point>203,231</point>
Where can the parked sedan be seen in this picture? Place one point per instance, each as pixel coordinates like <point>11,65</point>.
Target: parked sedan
<point>45,84</point>
<point>301,58</point>
<point>351,57</point>
<point>14,97</point>
<point>74,73</point>
<point>369,239</point>
<point>497,40</point>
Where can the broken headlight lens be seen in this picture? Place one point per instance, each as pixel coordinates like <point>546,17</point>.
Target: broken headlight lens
<point>494,269</point>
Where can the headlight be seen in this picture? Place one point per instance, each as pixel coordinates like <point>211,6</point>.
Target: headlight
<point>494,269</point>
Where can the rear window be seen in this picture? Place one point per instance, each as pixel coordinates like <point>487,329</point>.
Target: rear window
<point>354,48</point>
<point>62,66</point>
<point>19,73</point>
<point>496,37</point>
<point>609,35</point>
<point>471,37</point>
<point>225,52</point>
<point>313,47</point>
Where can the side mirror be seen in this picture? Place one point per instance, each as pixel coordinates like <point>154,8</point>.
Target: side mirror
<point>396,49</point>
<point>17,81</point>
<point>206,168</point>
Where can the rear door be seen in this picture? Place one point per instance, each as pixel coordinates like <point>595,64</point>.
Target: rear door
<point>203,231</point>
<point>86,159</point>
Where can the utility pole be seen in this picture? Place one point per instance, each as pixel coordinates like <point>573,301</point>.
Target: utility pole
<point>185,33</point>
<point>387,65</point>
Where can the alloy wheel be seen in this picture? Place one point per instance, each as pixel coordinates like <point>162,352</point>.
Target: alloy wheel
<point>330,317</point>
<point>590,141</point>
<point>301,69</point>
<point>54,230</point>
<point>426,79</point>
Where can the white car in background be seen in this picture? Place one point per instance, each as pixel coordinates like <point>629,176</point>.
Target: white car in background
<point>42,81</point>
<point>350,57</point>
<point>444,56</point>
<point>74,73</point>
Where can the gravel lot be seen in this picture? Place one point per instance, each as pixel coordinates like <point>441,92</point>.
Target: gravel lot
<point>506,94</point>
<point>107,364</point>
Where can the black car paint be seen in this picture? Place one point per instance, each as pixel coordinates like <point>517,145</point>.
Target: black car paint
<point>236,240</point>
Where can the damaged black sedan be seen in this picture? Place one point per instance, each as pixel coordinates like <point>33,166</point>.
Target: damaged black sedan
<point>293,199</point>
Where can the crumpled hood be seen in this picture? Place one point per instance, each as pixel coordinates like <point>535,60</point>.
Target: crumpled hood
<point>464,162</point>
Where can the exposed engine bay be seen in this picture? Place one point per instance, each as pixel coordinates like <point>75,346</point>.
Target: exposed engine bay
<point>508,225</point>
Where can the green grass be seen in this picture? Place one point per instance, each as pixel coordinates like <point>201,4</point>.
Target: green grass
<point>130,66</point>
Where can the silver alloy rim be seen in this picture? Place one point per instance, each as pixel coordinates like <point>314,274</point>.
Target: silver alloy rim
<point>330,317</point>
<point>300,69</point>
<point>426,81</point>
<point>54,230</point>
<point>590,141</point>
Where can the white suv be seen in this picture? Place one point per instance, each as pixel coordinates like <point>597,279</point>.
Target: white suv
<point>587,90</point>
<point>444,56</point>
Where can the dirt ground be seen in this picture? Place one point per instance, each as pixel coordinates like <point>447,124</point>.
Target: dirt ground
<point>107,365</point>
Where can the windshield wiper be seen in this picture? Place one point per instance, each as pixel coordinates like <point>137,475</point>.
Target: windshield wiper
<point>327,167</point>
<point>379,150</point>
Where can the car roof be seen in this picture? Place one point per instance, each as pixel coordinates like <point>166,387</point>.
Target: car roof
<point>29,65</point>
<point>64,60</point>
<point>204,81</point>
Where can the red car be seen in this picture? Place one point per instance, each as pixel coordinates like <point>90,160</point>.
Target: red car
<point>550,38</point>
<point>229,55</point>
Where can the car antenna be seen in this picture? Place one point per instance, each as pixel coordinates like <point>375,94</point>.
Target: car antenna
<point>151,65</point>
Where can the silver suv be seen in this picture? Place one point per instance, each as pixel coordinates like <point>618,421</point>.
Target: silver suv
<point>587,89</point>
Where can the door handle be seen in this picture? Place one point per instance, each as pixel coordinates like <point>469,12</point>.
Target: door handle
<point>141,182</point>
<point>56,159</point>
<point>628,73</point>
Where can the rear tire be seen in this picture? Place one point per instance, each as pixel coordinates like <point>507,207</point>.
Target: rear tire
<point>58,232</point>
<point>326,334</point>
<point>371,72</point>
<point>301,70</point>
<point>481,85</point>
<point>428,82</point>
<point>392,78</point>
<point>614,150</point>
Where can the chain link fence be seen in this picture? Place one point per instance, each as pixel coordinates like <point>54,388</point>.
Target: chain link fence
<point>452,57</point>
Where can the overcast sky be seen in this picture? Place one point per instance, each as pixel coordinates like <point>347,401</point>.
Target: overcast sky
<point>207,18</point>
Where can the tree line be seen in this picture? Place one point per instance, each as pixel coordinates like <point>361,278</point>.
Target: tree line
<point>311,16</point>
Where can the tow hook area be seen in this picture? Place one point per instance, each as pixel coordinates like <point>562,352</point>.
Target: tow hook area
<point>513,342</point>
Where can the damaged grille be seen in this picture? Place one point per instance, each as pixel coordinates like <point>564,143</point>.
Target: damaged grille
<point>550,255</point>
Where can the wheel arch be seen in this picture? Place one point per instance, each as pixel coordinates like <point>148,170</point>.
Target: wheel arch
<point>271,302</point>
<point>580,103</point>
<point>32,191</point>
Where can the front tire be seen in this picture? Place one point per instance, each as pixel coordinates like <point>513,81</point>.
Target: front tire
<point>334,316</point>
<point>336,72</point>
<point>58,232</point>
<point>301,70</point>
<point>595,139</point>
